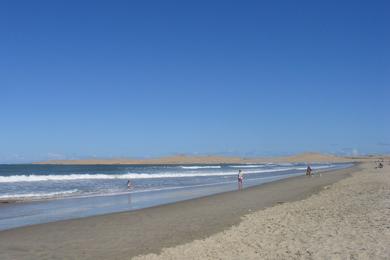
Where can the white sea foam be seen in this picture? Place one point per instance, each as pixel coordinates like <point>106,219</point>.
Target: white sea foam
<point>73,177</point>
<point>50,195</point>
<point>200,167</point>
<point>247,166</point>
<point>37,195</point>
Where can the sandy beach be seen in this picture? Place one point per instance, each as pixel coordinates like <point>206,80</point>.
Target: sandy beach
<point>300,217</point>
<point>346,220</point>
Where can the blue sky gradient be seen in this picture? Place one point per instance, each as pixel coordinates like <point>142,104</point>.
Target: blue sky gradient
<point>150,78</point>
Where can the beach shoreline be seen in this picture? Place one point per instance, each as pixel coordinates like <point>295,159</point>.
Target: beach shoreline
<point>345,220</point>
<point>152,229</point>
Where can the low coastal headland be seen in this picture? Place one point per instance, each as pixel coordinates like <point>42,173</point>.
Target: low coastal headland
<point>311,157</point>
<point>342,214</point>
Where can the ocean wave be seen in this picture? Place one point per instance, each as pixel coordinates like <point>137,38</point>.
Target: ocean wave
<point>77,194</point>
<point>247,166</point>
<point>73,177</point>
<point>200,167</point>
<point>37,195</point>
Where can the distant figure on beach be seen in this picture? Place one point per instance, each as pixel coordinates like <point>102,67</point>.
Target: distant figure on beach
<point>240,179</point>
<point>379,164</point>
<point>308,171</point>
<point>129,186</point>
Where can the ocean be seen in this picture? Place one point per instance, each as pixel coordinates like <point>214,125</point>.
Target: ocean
<point>57,192</point>
<point>35,182</point>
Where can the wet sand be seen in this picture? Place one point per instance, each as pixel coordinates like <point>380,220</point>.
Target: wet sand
<point>128,234</point>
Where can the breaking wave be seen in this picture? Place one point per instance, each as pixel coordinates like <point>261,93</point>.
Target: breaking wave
<point>247,166</point>
<point>37,195</point>
<point>72,177</point>
<point>200,167</point>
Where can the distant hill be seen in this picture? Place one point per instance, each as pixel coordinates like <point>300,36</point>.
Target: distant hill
<point>310,157</point>
<point>179,159</point>
<point>183,159</point>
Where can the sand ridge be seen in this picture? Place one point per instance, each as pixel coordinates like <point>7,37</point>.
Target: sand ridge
<point>185,159</point>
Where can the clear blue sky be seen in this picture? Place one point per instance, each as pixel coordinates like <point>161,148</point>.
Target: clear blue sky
<point>151,78</point>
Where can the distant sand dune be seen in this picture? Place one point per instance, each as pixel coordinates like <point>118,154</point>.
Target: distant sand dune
<point>183,159</point>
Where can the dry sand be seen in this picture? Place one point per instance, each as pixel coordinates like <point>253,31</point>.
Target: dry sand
<point>347,220</point>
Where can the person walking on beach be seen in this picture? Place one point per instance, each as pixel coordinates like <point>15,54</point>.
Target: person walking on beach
<point>308,171</point>
<point>240,179</point>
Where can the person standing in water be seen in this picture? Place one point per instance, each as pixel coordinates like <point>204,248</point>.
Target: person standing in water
<point>240,179</point>
<point>308,171</point>
<point>129,186</point>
